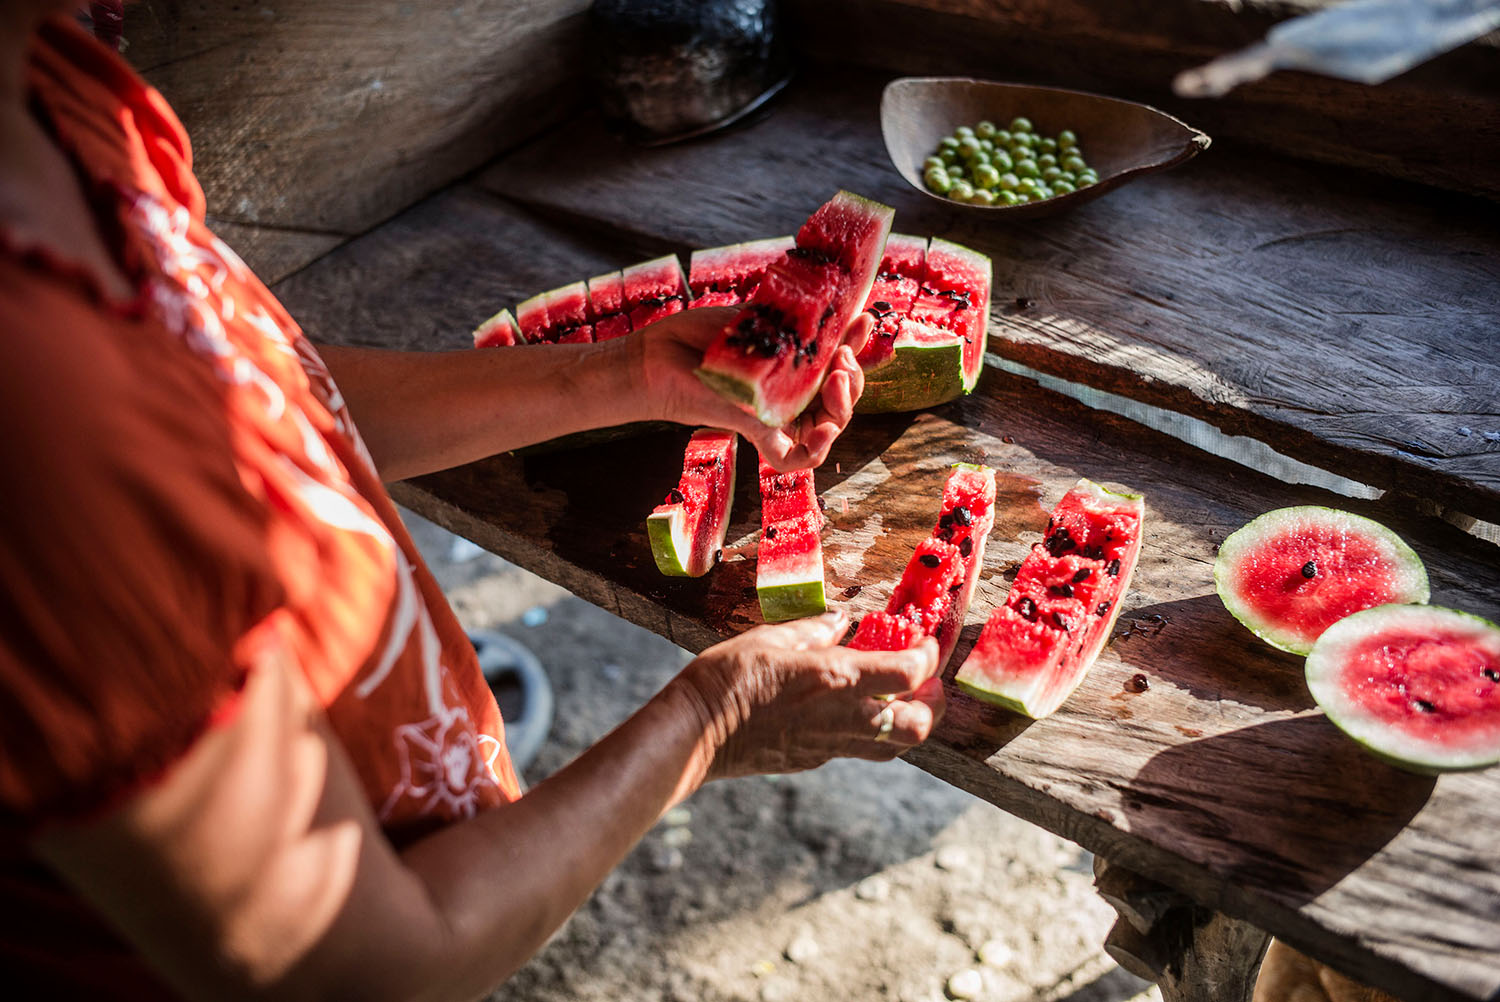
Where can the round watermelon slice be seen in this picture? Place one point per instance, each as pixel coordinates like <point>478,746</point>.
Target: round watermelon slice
<point>1417,685</point>
<point>1294,572</point>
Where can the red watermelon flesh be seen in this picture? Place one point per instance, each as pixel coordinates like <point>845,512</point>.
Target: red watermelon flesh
<point>1417,685</point>
<point>770,358</point>
<point>607,306</point>
<point>727,276</point>
<point>531,317</point>
<point>938,583</point>
<point>1037,647</point>
<point>1292,573</point>
<point>499,331</point>
<point>891,297</point>
<point>789,567</point>
<point>568,315</point>
<point>882,631</point>
<point>955,296</point>
<point>654,289</point>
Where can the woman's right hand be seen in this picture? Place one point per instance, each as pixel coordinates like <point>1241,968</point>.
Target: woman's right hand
<point>787,698</point>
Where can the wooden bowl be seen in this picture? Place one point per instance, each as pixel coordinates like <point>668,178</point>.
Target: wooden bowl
<point>1121,140</point>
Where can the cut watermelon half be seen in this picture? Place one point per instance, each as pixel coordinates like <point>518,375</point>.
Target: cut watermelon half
<point>654,289</point>
<point>607,306</point>
<point>1293,572</point>
<point>934,350</point>
<point>499,331</point>
<point>897,284</point>
<point>687,529</point>
<point>1417,685</point>
<point>789,566</point>
<point>773,356</point>
<point>1037,647</point>
<point>727,276</point>
<point>932,597</point>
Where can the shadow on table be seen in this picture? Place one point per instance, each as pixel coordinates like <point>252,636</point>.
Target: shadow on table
<point>1289,807</point>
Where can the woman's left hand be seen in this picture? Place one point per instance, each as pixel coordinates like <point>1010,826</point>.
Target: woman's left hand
<point>669,350</point>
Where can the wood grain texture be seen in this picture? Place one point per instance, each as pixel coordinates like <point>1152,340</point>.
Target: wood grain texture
<point>312,122</point>
<point>1221,780</point>
<point>1438,123</point>
<point>1350,322</point>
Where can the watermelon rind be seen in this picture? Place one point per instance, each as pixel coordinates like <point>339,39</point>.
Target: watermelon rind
<point>986,676</point>
<point>1409,573</point>
<point>499,330</point>
<point>792,600</point>
<point>917,375</point>
<point>670,545</point>
<point>1385,738</point>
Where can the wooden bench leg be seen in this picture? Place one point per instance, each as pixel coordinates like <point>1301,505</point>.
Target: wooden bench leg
<point>1192,953</point>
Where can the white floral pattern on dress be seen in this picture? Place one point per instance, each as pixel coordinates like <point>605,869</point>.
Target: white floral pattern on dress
<point>447,766</point>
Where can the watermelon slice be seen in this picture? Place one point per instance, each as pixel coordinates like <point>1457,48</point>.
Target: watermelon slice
<point>499,331</point>
<point>727,276</point>
<point>607,306</point>
<point>687,529</point>
<point>1417,685</point>
<point>932,597</point>
<point>928,348</point>
<point>789,567</point>
<point>559,316</point>
<point>773,357</point>
<point>1037,647</point>
<point>1293,572</point>
<point>654,289</point>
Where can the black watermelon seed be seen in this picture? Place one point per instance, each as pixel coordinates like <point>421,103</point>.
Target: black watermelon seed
<point>719,555</point>
<point>1083,575</point>
<point>822,505</point>
<point>954,589</point>
<point>881,305</point>
<point>1103,609</point>
<point>1065,590</point>
<point>1114,567</point>
<point>1138,683</point>
<point>853,590</point>
<point>1423,705</point>
<point>1310,569</point>
<point>1491,674</point>
<point>1026,607</point>
<point>770,532</point>
<point>1063,622</point>
<point>1094,552</point>
<point>944,521</point>
<point>674,496</point>
<point>962,517</point>
<point>1022,303</point>
<point>1060,542</point>
<point>966,546</point>
<point>930,559</point>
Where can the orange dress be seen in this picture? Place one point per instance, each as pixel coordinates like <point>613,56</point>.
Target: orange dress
<point>185,493</point>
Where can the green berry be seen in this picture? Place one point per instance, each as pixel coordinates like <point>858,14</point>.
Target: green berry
<point>1089,176</point>
<point>986,176</point>
<point>938,180</point>
<point>985,130</point>
<point>1007,198</point>
<point>933,161</point>
<point>1073,163</point>
<point>962,191</point>
<point>963,132</point>
<point>1026,168</point>
<point>1047,145</point>
<point>956,171</point>
<point>947,143</point>
<point>1009,182</point>
<point>983,196</point>
<point>1046,160</point>
<point>1002,161</point>
<point>1067,139</point>
<point>1022,198</point>
<point>1051,174</point>
<point>1002,137</point>
<point>969,147</point>
<point>1020,125</point>
<point>1043,192</point>
<point>949,157</point>
<point>1028,186</point>
<point>1062,188</point>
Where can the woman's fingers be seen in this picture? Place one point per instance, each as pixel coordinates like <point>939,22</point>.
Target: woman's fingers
<point>891,673</point>
<point>810,634</point>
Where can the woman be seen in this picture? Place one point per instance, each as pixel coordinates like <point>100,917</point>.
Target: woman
<point>245,748</point>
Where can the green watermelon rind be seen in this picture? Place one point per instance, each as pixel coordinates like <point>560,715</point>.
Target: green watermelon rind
<point>988,691</point>
<point>915,377</point>
<point>792,600</point>
<point>1323,667</point>
<point>1238,543</point>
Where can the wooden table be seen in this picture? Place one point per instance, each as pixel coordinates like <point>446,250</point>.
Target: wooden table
<point>1350,322</point>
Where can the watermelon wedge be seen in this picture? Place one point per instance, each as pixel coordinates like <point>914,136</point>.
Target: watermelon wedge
<point>930,336</point>
<point>932,597</point>
<point>773,356</point>
<point>1417,685</point>
<point>1293,572</point>
<point>559,316</point>
<point>1037,647</point>
<point>499,331</point>
<point>607,306</point>
<point>727,276</point>
<point>687,529</point>
<point>789,567</point>
<point>654,289</point>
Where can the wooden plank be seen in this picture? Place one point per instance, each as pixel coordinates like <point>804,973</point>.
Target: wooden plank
<point>312,122</point>
<point>1221,779</point>
<point>1351,322</point>
<point>1405,127</point>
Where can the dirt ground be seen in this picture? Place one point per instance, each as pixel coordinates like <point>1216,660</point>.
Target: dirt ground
<point>856,881</point>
